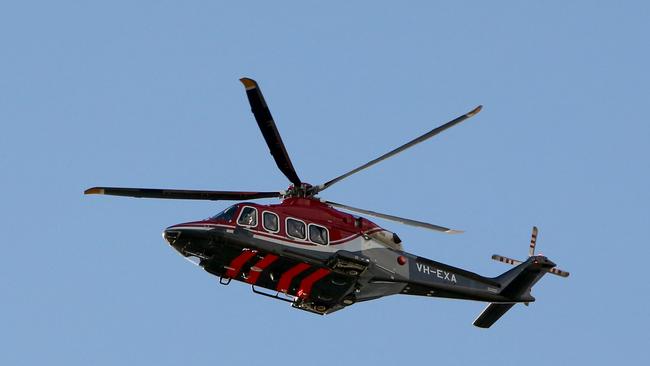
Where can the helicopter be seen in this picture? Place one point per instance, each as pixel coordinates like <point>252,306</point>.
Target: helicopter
<point>319,257</point>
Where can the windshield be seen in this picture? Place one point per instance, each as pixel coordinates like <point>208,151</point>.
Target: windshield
<point>225,215</point>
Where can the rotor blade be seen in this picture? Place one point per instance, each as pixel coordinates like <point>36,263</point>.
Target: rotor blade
<point>558,272</point>
<point>269,130</point>
<point>398,150</point>
<point>181,194</point>
<point>533,241</point>
<point>506,260</point>
<point>421,224</point>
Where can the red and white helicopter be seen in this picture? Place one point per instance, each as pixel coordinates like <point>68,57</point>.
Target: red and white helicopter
<point>307,252</point>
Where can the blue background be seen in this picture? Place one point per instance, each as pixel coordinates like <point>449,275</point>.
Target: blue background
<point>146,94</point>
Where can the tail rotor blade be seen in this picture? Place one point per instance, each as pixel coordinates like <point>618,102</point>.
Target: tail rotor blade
<point>500,258</point>
<point>558,272</point>
<point>533,241</point>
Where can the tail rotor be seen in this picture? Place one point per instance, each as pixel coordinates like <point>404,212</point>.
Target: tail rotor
<point>531,253</point>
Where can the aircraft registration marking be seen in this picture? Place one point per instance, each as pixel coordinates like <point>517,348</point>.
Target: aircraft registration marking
<point>431,271</point>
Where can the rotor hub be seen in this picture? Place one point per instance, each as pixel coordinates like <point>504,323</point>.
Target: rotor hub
<point>305,190</point>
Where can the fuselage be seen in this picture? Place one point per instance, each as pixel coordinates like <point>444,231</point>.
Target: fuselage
<point>321,257</point>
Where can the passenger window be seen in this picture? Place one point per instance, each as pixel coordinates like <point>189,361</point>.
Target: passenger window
<point>248,217</point>
<point>270,221</point>
<point>318,234</point>
<point>296,229</point>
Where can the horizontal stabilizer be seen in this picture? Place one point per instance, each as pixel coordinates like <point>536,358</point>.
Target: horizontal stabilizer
<point>491,314</point>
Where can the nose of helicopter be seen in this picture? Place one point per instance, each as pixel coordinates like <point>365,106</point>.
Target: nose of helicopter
<point>174,233</point>
<point>171,235</point>
<point>189,239</point>
<point>180,235</point>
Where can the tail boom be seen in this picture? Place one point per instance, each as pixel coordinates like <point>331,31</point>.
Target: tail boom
<point>434,279</point>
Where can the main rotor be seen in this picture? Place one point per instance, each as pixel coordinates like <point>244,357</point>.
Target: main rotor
<point>298,188</point>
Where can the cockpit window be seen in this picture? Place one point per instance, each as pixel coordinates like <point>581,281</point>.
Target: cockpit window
<point>318,234</point>
<point>296,229</point>
<point>270,221</point>
<point>248,216</point>
<point>226,214</point>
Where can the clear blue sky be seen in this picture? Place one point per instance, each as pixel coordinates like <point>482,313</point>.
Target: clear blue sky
<point>146,94</point>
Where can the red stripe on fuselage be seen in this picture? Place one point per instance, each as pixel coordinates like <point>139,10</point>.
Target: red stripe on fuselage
<point>287,277</point>
<point>306,284</point>
<point>258,267</point>
<point>235,266</point>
